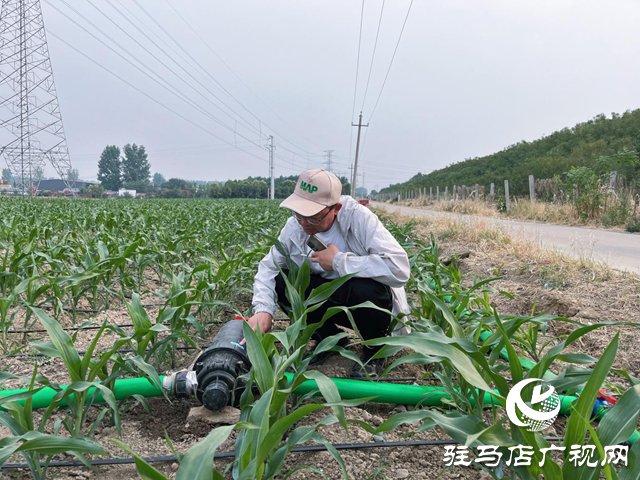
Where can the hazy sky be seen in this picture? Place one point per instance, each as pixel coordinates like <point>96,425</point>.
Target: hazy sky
<point>469,78</point>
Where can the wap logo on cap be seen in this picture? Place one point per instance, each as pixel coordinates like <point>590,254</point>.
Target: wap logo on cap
<point>540,413</point>
<point>308,187</point>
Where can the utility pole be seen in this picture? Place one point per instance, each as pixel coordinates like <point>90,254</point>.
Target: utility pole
<point>271,149</point>
<point>355,168</point>
<point>328,162</point>
<point>351,175</point>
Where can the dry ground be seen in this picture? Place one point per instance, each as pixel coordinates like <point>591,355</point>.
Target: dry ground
<point>537,278</point>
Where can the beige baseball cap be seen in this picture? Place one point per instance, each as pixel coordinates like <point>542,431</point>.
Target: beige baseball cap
<point>315,190</point>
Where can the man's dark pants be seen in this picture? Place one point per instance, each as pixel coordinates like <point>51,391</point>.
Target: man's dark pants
<point>370,322</point>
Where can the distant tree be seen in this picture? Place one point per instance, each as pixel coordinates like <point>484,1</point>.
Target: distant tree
<point>178,188</point>
<point>176,184</point>
<point>95,191</point>
<point>285,189</point>
<point>625,163</point>
<point>6,175</point>
<point>135,166</point>
<point>140,186</point>
<point>73,175</point>
<point>201,190</point>
<point>260,188</point>
<point>109,168</point>
<point>37,174</point>
<point>158,179</point>
<point>583,184</point>
<point>214,190</point>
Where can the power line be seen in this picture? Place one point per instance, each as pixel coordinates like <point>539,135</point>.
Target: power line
<point>375,45</point>
<point>391,63</point>
<point>182,97</point>
<point>355,88</point>
<point>211,76</point>
<point>149,96</point>
<point>364,142</point>
<point>180,66</point>
<point>169,87</point>
<point>241,80</point>
<point>176,150</point>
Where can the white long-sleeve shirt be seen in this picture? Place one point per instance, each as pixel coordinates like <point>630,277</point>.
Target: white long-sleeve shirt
<point>372,253</point>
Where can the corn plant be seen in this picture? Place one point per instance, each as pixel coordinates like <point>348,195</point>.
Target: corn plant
<point>92,372</point>
<point>7,316</point>
<point>196,464</point>
<point>261,450</point>
<point>145,340</point>
<point>36,447</point>
<point>267,427</point>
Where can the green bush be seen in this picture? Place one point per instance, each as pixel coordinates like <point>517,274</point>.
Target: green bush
<point>633,225</point>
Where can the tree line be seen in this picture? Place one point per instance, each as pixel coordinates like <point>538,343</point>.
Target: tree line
<point>129,168</point>
<point>590,144</point>
<point>131,171</point>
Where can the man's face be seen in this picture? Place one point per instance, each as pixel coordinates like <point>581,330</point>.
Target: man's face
<point>325,217</point>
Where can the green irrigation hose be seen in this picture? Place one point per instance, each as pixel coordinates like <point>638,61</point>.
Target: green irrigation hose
<point>348,389</point>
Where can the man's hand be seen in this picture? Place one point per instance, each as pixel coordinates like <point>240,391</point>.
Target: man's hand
<point>264,319</point>
<point>325,257</point>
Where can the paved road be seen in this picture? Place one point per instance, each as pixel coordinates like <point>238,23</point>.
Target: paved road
<point>620,250</point>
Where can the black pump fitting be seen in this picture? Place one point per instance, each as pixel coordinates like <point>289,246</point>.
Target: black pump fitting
<point>219,366</point>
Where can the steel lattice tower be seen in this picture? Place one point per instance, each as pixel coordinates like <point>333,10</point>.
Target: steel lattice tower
<point>32,132</point>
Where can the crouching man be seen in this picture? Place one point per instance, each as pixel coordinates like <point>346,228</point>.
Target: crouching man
<point>356,242</point>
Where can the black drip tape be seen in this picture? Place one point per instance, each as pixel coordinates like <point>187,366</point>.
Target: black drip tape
<point>308,448</point>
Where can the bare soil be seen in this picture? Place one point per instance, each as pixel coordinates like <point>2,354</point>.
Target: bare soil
<point>539,281</point>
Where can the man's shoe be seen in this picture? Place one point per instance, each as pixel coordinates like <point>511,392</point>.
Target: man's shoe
<point>372,367</point>
<point>323,356</point>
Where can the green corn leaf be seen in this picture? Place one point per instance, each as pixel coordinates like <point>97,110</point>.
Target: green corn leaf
<point>324,291</point>
<point>197,464</point>
<point>330,393</point>
<point>632,470</point>
<point>46,348</point>
<point>449,316</point>
<point>278,429</point>
<point>576,430</point>
<point>146,471</point>
<point>50,445</point>
<point>621,420</point>
<point>259,362</point>
<point>62,342</point>
<point>422,343</point>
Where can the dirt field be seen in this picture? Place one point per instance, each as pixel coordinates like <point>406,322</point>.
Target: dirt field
<point>537,278</point>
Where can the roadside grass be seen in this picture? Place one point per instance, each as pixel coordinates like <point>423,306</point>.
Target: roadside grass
<point>494,242</point>
<point>540,211</point>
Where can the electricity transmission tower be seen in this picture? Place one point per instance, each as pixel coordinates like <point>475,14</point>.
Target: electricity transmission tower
<point>329,156</point>
<point>32,131</point>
